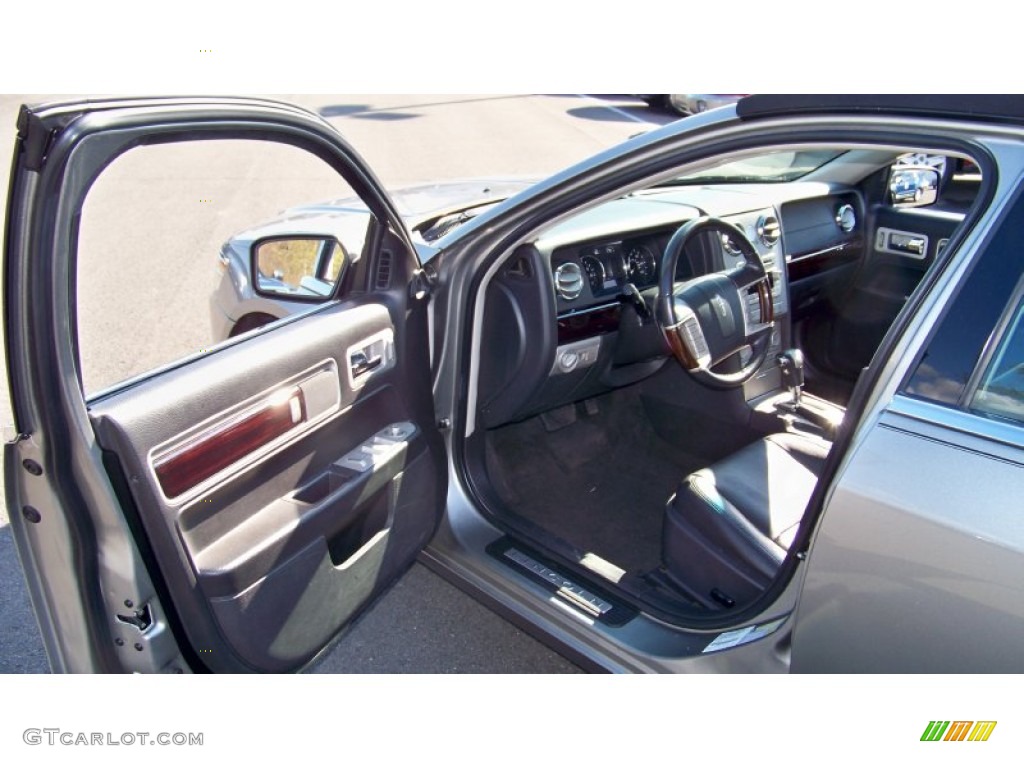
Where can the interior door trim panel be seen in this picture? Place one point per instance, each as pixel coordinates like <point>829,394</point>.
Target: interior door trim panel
<point>279,494</point>
<point>230,561</point>
<point>247,432</point>
<point>185,466</point>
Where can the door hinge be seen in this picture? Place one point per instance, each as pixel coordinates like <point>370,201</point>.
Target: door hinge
<point>34,139</point>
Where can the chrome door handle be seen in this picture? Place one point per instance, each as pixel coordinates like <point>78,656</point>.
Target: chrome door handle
<point>360,363</point>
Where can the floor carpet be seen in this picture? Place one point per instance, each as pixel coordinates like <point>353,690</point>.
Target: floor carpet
<point>597,480</point>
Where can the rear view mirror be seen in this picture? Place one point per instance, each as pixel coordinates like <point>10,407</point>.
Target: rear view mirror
<point>297,267</point>
<point>913,185</point>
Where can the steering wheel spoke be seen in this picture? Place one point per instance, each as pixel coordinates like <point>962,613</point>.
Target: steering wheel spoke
<point>757,334</point>
<point>686,338</point>
<point>710,319</point>
<point>747,276</point>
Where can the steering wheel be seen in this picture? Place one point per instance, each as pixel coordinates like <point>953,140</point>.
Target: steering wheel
<point>705,320</point>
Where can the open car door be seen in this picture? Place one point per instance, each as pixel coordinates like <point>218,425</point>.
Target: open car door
<point>231,509</point>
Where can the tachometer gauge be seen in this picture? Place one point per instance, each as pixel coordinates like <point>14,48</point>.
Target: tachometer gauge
<point>640,265</point>
<point>595,273</point>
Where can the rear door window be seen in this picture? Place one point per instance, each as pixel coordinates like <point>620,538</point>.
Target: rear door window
<point>1001,391</point>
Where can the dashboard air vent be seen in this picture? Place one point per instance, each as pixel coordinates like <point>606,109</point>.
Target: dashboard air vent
<point>768,230</point>
<point>383,279</point>
<point>846,218</point>
<point>569,281</point>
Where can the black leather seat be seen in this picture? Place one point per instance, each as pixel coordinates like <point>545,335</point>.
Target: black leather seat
<point>729,526</point>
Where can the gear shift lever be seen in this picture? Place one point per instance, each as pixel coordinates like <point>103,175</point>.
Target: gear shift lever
<point>823,416</point>
<point>791,364</point>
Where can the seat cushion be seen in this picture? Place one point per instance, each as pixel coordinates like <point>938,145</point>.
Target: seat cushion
<point>729,526</point>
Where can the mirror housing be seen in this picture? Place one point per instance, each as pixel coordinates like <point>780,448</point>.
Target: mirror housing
<point>911,186</point>
<point>297,267</point>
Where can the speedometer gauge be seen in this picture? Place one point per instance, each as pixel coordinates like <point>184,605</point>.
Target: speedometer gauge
<point>640,265</point>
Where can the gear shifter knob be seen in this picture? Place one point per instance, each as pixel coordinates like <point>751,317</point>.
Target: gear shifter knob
<point>791,364</point>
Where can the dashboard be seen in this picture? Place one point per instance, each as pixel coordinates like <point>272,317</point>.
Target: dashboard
<point>570,298</point>
<point>605,268</point>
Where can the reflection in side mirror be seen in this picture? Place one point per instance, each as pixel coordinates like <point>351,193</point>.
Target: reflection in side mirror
<point>912,186</point>
<point>298,266</point>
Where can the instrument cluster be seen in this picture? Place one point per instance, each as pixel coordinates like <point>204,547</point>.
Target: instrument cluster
<point>607,267</point>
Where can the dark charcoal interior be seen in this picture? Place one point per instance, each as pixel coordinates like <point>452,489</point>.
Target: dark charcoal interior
<point>684,492</point>
<point>595,474</point>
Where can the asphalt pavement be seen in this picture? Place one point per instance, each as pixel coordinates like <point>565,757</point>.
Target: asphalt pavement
<point>423,624</point>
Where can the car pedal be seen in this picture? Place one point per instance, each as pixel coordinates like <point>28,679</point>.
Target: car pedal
<point>592,407</point>
<point>559,418</point>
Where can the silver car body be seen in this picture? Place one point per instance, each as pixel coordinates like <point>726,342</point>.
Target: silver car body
<point>912,550</point>
<point>904,568</point>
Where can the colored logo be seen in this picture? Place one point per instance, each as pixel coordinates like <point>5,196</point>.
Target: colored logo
<point>958,730</point>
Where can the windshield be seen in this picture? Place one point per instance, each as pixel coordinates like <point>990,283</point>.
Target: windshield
<point>777,166</point>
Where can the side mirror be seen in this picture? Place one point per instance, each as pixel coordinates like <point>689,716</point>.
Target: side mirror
<point>297,267</point>
<point>911,186</point>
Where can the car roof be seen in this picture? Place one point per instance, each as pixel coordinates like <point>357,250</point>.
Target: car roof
<point>987,107</point>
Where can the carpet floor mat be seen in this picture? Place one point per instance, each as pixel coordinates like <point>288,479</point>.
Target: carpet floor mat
<point>596,477</point>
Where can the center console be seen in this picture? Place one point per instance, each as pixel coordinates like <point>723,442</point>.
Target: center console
<point>793,410</point>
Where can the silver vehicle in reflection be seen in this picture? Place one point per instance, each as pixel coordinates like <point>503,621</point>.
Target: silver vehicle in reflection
<point>909,184</point>
<point>691,103</point>
<point>287,265</point>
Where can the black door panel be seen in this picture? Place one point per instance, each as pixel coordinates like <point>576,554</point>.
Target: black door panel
<point>278,550</point>
<point>908,239</point>
<point>841,338</point>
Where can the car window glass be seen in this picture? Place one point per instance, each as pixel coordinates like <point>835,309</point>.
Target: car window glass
<point>951,357</point>
<point>1001,392</point>
<point>165,242</point>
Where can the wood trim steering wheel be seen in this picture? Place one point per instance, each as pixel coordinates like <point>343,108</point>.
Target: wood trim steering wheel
<point>706,320</point>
